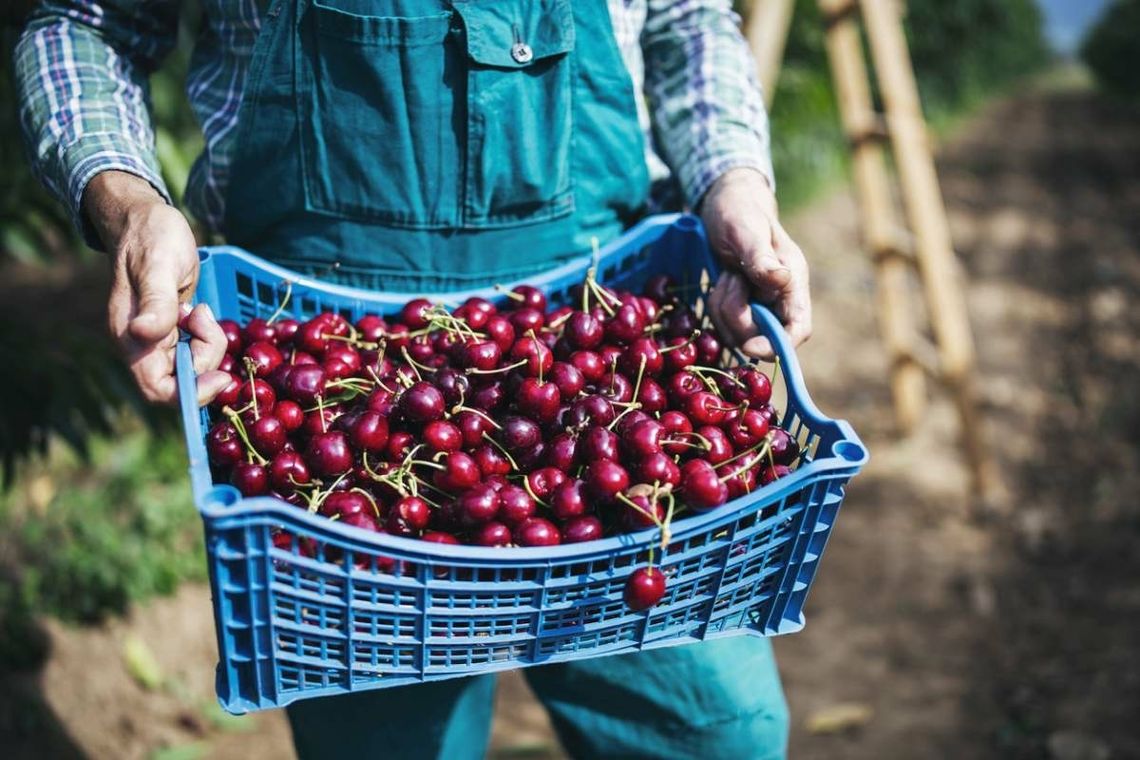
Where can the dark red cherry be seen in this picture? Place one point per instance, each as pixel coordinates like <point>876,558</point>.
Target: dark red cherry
<point>329,454</point>
<point>493,533</point>
<point>369,432</point>
<point>605,479</point>
<point>515,505</point>
<point>537,531</point>
<point>701,488</point>
<point>644,588</point>
<point>582,528</point>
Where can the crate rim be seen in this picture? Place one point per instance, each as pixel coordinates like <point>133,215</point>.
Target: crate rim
<point>217,503</point>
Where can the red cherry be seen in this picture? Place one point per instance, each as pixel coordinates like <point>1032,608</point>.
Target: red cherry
<point>582,528</point>
<point>682,353</point>
<point>769,474</point>
<point>641,516</point>
<point>524,320</point>
<point>638,351</point>
<point>289,413</point>
<point>370,432</point>
<point>706,408</point>
<point>659,468</point>
<point>224,446</point>
<point>720,448</point>
<point>537,531</point>
<point>229,394</point>
<point>408,516</point>
<point>539,400</point>
<point>605,479</point>
<point>651,396</point>
<point>422,402</point>
<point>490,460</point>
<point>442,435</point>
<point>643,439</point>
<point>515,505</point>
<point>267,435</point>
<point>545,480</point>
<point>463,471</point>
<point>583,331</point>
<point>539,359</point>
<point>562,452</point>
<point>478,505</point>
<point>598,443</point>
<point>439,537</point>
<point>329,454</point>
<point>287,471</point>
<point>305,383</point>
<point>644,588</point>
<point>264,357</point>
<point>589,364</point>
<point>569,500</point>
<point>250,478</point>
<point>785,450</point>
<point>568,378</point>
<point>700,486</point>
<point>257,330</point>
<point>708,349</point>
<point>532,297</point>
<point>262,391</point>
<point>493,533</point>
<point>501,332</point>
<point>414,314</point>
<point>739,478</point>
<point>232,331</point>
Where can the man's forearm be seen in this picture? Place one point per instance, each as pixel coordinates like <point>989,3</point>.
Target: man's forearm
<point>707,105</point>
<point>109,200</point>
<point>81,68</point>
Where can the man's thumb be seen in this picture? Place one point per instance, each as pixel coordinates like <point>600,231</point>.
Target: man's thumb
<point>157,314</point>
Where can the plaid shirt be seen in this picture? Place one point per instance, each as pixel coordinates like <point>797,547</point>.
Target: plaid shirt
<point>82,68</point>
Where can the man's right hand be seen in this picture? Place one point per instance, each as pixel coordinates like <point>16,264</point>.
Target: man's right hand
<point>156,271</point>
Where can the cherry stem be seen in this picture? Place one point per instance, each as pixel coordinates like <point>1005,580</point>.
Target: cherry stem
<point>553,326</point>
<point>486,418</point>
<point>750,463</point>
<point>628,408</point>
<point>698,369</point>
<point>533,495</point>
<point>503,451</point>
<point>370,497</point>
<point>239,426</point>
<point>249,370</point>
<point>497,370</point>
<point>537,352</point>
<point>413,363</point>
<point>688,342</point>
<point>321,412</point>
<point>747,451</point>
<point>518,297</point>
<point>284,302</point>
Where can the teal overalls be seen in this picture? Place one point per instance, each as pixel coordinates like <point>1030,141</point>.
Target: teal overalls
<point>425,146</point>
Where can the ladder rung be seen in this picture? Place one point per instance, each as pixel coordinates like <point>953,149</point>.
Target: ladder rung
<point>923,353</point>
<point>837,11</point>
<point>901,247</point>
<point>876,130</point>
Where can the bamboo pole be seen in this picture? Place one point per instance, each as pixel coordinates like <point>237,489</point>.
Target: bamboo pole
<point>927,216</point>
<point>767,31</point>
<point>880,230</point>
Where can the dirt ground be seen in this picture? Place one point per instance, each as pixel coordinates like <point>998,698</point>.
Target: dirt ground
<point>939,636</point>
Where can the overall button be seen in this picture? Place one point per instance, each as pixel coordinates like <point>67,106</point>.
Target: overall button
<point>521,52</point>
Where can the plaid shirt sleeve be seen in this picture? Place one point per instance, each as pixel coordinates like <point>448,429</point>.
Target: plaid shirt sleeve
<point>81,74</point>
<point>707,107</point>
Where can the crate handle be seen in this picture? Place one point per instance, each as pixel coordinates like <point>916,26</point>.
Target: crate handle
<point>188,403</point>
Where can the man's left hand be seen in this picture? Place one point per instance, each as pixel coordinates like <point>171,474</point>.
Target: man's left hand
<point>760,262</point>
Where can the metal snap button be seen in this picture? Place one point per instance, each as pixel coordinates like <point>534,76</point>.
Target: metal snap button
<point>521,52</point>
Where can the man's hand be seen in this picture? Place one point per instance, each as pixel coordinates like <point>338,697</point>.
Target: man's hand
<point>156,271</point>
<point>760,260</point>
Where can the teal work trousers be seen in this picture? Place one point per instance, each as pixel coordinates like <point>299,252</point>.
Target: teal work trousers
<point>716,699</point>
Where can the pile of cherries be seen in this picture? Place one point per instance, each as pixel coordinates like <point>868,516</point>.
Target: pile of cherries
<point>499,425</point>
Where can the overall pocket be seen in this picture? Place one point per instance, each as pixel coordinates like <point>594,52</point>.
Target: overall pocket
<point>377,101</point>
<point>520,106</point>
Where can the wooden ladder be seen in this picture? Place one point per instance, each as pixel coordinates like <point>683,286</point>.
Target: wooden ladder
<point>896,252</point>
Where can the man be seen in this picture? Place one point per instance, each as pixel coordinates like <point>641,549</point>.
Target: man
<point>425,145</point>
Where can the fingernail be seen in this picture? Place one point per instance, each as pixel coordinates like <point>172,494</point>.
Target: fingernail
<point>184,308</point>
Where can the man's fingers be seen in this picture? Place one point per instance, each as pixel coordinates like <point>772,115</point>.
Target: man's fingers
<point>759,347</point>
<point>156,292</point>
<point>729,308</point>
<point>153,369</point>
<point>207,341</point>
<point>210,384</point>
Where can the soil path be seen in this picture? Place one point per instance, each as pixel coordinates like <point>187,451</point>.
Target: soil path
<point>1015,637</point>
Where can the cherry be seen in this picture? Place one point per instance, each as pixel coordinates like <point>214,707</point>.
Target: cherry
<point>344,504</point>
<point>582,528</point>
<point>491,461</point>
<point>264,357</point>
<point>229,394</point>
<point>568,378</point>
<point>481,305</point>
<point>638,351</point>
<point>598,443</point>
<point>629,420</point>
<point>562,452</point>
<point>592,408</point>
<point>644,515</point>
<point>488,397</point>
<point>371,328</point>
<point>583,331</point>
<point>701,488</point>
<point>644,588</point>
<point>463,471</point>
<point>408,516</point>
<point>676,426</point>
<point>756,390</point>
<point>493,533</point>
<point>605,479</point>
<point>346,355</point>
<point>232,331</point>
<point>478,505</point>
<point>515,505</point>
<point>625,325</point>
<point>539,400</point>
<point>320,421</point>
<point>262,391</point>
<point>312,336</point>
<point>525,319</point>
<point>440,537</point>
<point>501,332</point>
<point>658,286</point>
<point>748,429</point>
<point>784,447</point>
<point>400,444</point>
<point>415,313</point>
<point>442,435</point>
<point>223,445</point>
<point>683,385</point>
<point>305,383</point>
<point>536,531</point>
<point>651,396</point>
<point>658,468</point>
<point>539,359</point>
<point>532,297</point>
<point>569,500</point>
<point>258,331</point>
<point>369,432</point>
<point>706,408</point>
<point>738,477</point>
<point>267,435</point>
<point>719,447</point>
<point>589,364</point>
<point>708,349</point>
<point>769,474</point>
<point>287,471</point>
<point>682,353</point>
<point>643,439</point>
<point>329,454</point>
<point>250,478</point>
<point>289,413</point>
<point>422,402</point>
<point>617,387</point>
<point>519,433</point>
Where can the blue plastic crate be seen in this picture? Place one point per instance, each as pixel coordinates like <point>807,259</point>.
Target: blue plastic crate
<point>291,627</point>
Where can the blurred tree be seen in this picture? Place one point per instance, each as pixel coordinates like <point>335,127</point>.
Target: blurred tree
<point>1112,48</point>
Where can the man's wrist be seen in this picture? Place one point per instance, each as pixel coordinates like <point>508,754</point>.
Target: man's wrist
<point>112,198</point>
<point>742,181</point>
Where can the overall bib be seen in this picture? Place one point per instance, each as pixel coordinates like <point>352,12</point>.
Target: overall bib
<point>423,146</point>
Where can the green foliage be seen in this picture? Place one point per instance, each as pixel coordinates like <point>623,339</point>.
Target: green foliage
<point>1112,49</point>
<point>120,529</point>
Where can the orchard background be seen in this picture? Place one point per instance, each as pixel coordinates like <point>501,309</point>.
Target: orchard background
<point>927,630</point>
